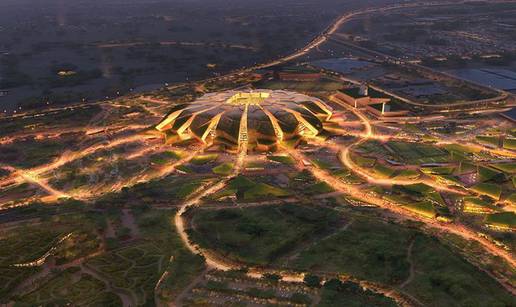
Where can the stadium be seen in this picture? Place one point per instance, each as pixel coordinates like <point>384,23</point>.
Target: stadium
<point>262,118</point>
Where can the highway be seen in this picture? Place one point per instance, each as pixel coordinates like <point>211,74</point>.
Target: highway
<point>455,105</point>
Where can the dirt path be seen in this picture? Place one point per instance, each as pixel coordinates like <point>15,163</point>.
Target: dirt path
<point>311,243</point>
<point>157,301</point>
<point>411,262</point>
<point>187,289</point>
<point>48,268</point>
<point>128,298</point>
<point>129,221</point>
<point>110,230</point>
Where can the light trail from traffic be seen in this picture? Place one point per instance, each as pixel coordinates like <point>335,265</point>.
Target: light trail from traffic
<point>34,179</point>
<point>33,176</point>
<point>358,193</point>
<point>208,189</point>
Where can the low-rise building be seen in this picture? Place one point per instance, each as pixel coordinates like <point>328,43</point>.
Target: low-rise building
<point>386,109</point>
<point>375,102</point>
<point>356,97</point>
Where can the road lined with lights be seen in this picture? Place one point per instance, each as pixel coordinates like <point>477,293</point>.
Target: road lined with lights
<point>209,189</point>
<point>34,176</point>
<point>345,156</point>
<point>358,193</point>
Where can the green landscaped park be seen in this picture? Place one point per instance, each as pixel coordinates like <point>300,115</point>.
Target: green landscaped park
<point>380,252</point>
<point>260,235</point>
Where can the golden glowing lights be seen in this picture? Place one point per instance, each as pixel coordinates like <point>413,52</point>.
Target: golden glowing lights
<point>272,117</point>
<point>252,98</point>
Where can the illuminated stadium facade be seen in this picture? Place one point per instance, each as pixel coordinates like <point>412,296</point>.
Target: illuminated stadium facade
<point>262,118</point>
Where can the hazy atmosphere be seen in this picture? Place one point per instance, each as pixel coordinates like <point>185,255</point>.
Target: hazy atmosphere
<point>258,153</point>
<point>115,47</point>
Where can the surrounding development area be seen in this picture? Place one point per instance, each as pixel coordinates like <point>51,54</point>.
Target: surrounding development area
<point>339,175</point>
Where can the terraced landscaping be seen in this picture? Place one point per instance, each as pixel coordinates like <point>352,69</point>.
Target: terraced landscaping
<point>65,240</point>
<point>414,153</point>
<point>72,287</point>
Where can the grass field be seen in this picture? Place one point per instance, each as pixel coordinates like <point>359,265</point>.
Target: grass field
<point>508,168</point>
<point>346,176</point>
<point>319,188</point>
<point>322,164</point>
<point>373,147</point>
<point>26,244</point>
<point>438,170</point>
<point>477,205</point>
<point>282,159</point>
<point>166,157</point>
<point>419,198</point>
<point>246,291</point>
<point>424,208</point>
<point>248,190</point>
<point>415,153</point>
<point>489,189</point>
<point>378,252</point>
<point>509,144</point>
<point>363,161</point>
<point>487,173</point>
<point>136,268</point>
<point>10,277</point>
<point>262,190</point>
<point>466,167</point>
<point>204,159</point>
<point>455,282</point>
<point>383,171</point>
<point>407,174</point>
<point>61,118</point>
<point>223,169</point>
<point>502,219</point>
<point>493,141</point>
<point>511,199</point>
<point>461,149</point>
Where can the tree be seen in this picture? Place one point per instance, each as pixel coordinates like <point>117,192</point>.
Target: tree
<point>271,277</point>
<point>312,281</point>
<point>333,284</point>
